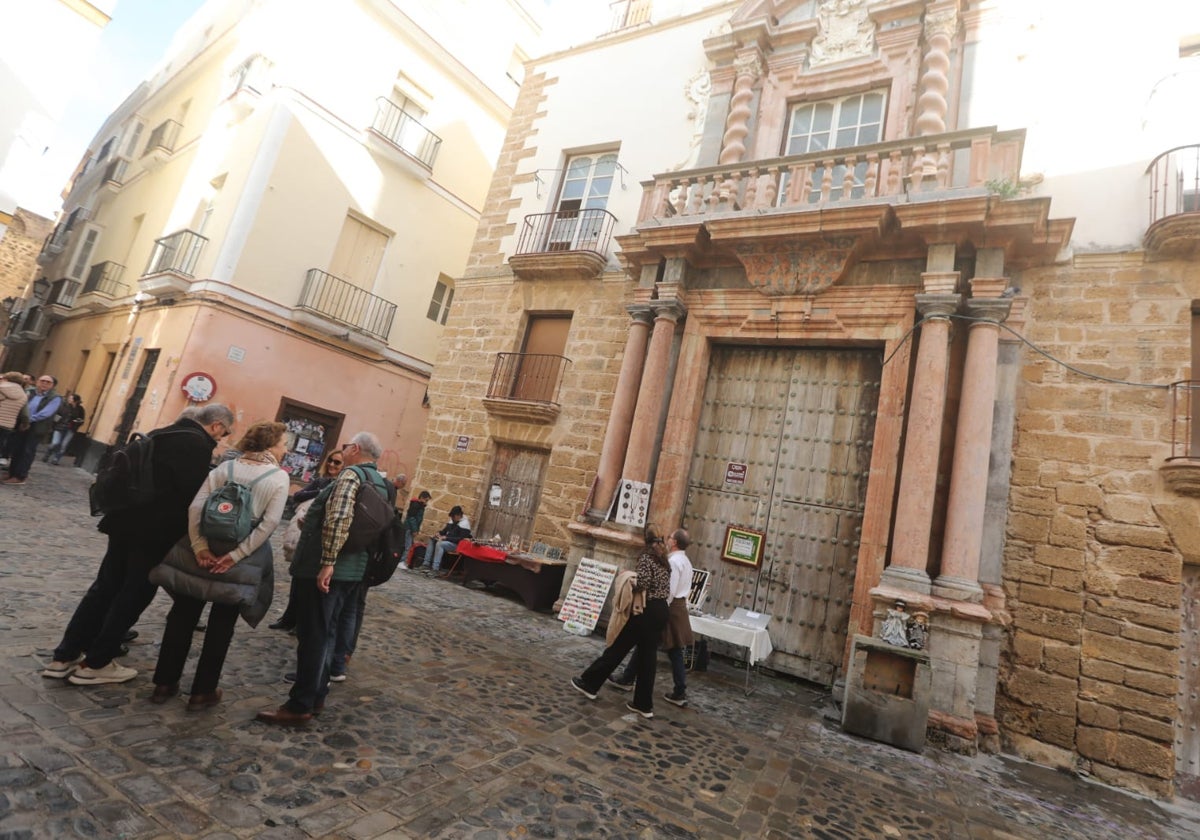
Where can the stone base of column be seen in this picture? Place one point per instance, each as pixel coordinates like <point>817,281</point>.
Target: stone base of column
<point>954,644</point>
<point>596,515</point>
<point>957,589</point>
<point>899,577</point>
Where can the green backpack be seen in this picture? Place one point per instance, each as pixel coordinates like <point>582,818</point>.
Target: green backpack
<point>228,515</point>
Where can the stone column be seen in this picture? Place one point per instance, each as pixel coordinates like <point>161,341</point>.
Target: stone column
<point>959,578</point>
<point>941,22</point>
<point>639,455</point>
<point>620,418</point>
<point>918,479</point>
<point>747,69</point>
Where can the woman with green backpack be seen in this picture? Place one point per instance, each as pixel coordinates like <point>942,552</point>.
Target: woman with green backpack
<point>228,563</point>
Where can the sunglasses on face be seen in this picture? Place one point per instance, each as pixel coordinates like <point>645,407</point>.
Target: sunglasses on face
<point>335,463</point>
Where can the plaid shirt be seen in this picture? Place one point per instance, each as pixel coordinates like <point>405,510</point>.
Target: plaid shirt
<point>339,512</point>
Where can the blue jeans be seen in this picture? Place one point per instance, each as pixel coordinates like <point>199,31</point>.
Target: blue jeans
<point>58,445</point>
<point>348,629</point>
<point>678,671</point>
<point>442,547</point>
<point>318,618</point>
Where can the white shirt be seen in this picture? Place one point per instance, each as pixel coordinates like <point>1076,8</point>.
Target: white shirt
<point>681,574</point>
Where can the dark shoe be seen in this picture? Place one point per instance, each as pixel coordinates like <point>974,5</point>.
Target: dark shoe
<point>129,636</point>
<point>281,625</point>
<point>198,702</point>
<point>290,676</point>
<point>676,697</point>
<point>163,693</point>
<point>283,716</point>
<point>582,689</point>
<point>620,686</point>
<point>643,712</point>
<point>123,650</point>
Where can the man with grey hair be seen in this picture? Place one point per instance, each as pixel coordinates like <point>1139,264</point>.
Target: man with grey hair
<point>138,539</point>
<point>329,580</point>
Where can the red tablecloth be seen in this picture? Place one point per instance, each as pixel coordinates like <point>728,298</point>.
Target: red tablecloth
<point>481,552</point>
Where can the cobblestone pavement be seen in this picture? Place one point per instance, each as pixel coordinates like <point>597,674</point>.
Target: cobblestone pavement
<point>458,721</point>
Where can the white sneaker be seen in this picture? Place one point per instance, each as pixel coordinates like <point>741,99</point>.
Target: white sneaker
<point>59,670</point>
<point>113,672</point>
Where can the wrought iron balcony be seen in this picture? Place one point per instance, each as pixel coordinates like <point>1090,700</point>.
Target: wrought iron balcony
<point>105,279</point>
<point>54,244</point>
<point>34,325</point>
<point>177,253</point>
<point>62,295</point>
<point>115,172</point>
<point>334,299</point>
<point>163,138</point>
<point>569,243</point>
<point>1181,471</point>
<point>405,132</point>
<point>891,170</point>
<point>526,386</point>
<point>1174,229</point>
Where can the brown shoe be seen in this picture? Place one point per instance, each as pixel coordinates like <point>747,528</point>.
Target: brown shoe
<point>283,716</point>
<point>198,702</point>
<point>317,709</point>
<point>163,693</point>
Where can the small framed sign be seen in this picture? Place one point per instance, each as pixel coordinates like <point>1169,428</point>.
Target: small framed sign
<point>743,546</point>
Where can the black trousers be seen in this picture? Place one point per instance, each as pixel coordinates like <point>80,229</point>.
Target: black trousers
<point>642,632</point>
<point>177,641</point>
<point>317,619</point>
<point>113,603</point>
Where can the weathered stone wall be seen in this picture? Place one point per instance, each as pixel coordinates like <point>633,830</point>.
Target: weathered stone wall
<point>1096,541</point>
<point>19,248</point>
<point>489,316</point>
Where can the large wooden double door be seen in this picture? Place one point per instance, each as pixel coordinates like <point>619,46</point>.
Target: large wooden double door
<point>784,447</point>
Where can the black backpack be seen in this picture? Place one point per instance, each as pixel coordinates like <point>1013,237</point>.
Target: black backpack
<point>373,511</point>
<point>386,554</point>
<point>127,480</point>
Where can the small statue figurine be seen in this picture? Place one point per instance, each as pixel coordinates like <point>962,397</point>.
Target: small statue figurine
<point>918,631</point>
<point>895,627</point>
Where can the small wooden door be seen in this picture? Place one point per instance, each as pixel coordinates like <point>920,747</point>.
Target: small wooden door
<point>784,446</point>
<point>510,498</point>
<point>536,377</point>
<point>358,254</point>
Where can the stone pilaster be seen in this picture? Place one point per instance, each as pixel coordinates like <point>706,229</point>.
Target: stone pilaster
<point>748,67</point>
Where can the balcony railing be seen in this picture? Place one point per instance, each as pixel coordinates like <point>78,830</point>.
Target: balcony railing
<point>56,241</point>
<point>961,159</point>
<point>105,279</point>
<point>527,377</point>
<point>35,325</point>
<point>63,293</point>
<point>115,171</point>
<point>344,303</point>
<point>567,230</point>
<point>403,130</point>
<point>1185,412</point>
<point>1175,182</point>
<point>178,252</point>
<point>163,137</point>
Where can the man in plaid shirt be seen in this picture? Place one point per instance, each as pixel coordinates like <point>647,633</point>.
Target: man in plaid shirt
<point>329,580</point>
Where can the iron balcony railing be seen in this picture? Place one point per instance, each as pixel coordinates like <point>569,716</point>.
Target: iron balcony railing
<point>105,278</point>
<point>178,252</point>
<point>1185,410</point>
<point>1175,182</point>
<point>164,136</point>
<point>528,377</point>
<point>63,292</point>
<point>972,158</point>
<point>402,129</point>
<point>337,300</point>
<point>35,325</point>
<point>567,230</point>
<point>115,171</point>
<point>56,241</point>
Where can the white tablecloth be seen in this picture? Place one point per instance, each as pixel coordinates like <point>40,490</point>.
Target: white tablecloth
<point>754,640</point>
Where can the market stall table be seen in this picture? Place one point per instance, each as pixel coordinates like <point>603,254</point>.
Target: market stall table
<point>755,640</point>
<point>536,579</point>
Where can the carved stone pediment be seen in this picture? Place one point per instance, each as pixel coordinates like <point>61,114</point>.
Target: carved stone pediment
<point>779,268</point>
<point>847,31</point>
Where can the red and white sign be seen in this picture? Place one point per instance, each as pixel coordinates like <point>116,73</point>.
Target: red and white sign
<point>735,473</point>
<point>463,443</point>
<point>198,387</point>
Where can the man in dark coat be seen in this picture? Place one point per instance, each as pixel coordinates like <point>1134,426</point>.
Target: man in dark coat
<point>138,539</point>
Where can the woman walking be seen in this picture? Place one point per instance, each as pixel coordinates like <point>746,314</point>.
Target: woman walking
<point>642,631</point>
<point>66,423</point>
<point>262,447</point>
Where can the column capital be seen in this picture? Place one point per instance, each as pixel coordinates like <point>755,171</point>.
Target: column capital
<point>937,305</point>
<point>670,310</point>
<point>640,313</point>
<point>989,309</point>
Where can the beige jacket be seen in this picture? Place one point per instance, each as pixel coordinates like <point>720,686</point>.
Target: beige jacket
<point>626,603</point>
<point>12,397</point>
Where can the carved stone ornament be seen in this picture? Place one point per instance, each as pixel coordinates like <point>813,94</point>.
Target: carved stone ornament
<point>749,63</point>
<point>795,268</point>
<point>696,91</point>
<point>846,32</point>
<point>942,22</point>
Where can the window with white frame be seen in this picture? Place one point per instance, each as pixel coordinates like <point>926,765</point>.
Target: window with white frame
<point>133,135</point>
<point>83,254</point>
<point>841,123</point>
<point>583,194</point>
<point>443,296</point>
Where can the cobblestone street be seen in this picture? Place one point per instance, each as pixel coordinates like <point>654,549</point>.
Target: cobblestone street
<point>458,721</point>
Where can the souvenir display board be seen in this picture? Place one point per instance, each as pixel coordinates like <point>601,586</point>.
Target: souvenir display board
<point>632,502</point>
<point>585,599</point>
<point>310,433</point>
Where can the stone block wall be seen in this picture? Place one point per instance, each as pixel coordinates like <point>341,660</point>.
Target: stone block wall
<point>1093,558</point>
<point>19,247</point>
